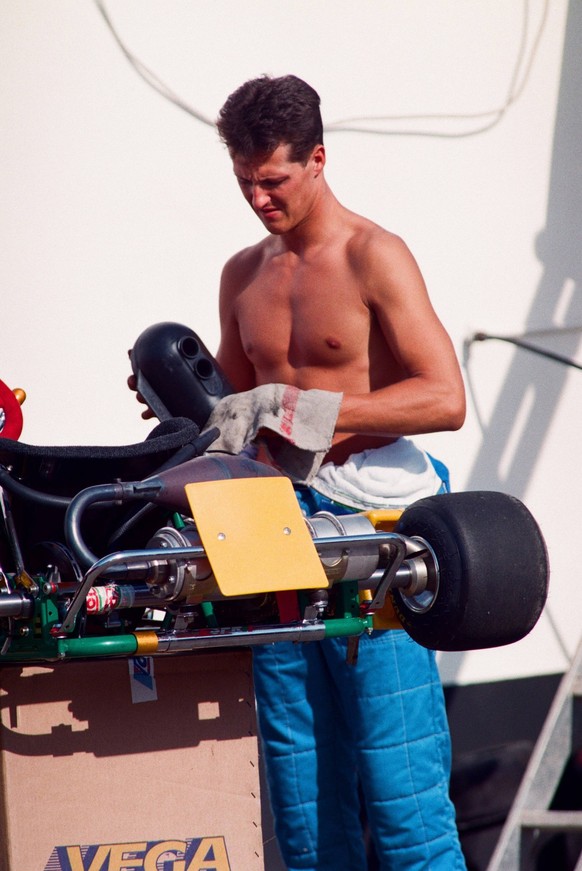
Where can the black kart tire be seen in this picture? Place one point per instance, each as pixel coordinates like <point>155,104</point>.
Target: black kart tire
<point>493,571</point>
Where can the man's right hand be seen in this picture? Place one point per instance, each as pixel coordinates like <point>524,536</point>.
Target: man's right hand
<point>132,384</point>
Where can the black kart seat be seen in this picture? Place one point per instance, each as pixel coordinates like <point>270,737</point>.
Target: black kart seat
<point>65,470</point>
<point>40,481</point>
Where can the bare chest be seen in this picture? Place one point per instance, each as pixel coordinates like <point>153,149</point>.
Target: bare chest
<point>303,318</point>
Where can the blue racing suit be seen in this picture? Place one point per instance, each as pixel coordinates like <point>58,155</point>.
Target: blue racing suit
<point>332,731</point>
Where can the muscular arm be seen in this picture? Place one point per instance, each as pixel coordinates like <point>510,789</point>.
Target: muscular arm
<point>430,397</point>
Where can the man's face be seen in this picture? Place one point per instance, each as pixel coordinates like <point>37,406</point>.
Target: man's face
<point>280,191</point>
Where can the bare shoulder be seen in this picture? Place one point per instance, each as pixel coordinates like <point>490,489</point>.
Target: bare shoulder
<point>369,243</point>
<point>242,267</point>
<point>382,260</point>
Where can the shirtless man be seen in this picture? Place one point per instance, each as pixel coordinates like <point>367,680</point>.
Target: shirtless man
<point>330,300</point>
<point>333,301</point>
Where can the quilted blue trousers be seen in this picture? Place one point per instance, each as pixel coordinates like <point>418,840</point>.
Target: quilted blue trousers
<point>332,731</point>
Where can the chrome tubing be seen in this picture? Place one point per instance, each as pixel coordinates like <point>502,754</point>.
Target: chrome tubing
<point>171,642</point>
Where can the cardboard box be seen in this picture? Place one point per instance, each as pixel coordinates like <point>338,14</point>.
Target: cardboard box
<point>115,765</point>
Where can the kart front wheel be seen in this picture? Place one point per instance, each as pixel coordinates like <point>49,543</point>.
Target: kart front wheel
<point>492,571</point>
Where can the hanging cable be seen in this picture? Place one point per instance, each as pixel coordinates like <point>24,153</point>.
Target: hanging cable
<point>515,90</point>
<point>150,77</point>
<point>357,124</point>
<point>520,342</point>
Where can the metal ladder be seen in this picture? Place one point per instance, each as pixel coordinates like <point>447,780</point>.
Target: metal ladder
<point>530,823</point>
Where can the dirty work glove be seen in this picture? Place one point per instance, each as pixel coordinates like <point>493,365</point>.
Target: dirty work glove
<point>305,419</point>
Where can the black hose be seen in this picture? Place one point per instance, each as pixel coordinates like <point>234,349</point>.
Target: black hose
<point>16,487</point>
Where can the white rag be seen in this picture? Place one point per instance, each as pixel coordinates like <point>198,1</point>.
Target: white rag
<point>304,419</point>
<point>392,476</point>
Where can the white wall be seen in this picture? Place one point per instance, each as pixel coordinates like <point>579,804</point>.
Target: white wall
<point>119,209</point>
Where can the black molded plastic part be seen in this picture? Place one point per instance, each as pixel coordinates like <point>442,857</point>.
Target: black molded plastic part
<point>176,374</point>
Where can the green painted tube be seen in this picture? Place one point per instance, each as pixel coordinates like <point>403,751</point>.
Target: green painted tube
<point>343,626</point>
<point>116,645</point>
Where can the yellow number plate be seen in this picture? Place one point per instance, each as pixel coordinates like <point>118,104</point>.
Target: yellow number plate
<point>255,536</point>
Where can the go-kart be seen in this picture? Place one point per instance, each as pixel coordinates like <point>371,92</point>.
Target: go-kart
<point>165,547</point>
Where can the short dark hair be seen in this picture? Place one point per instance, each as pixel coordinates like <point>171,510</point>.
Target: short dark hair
<point>266,112</point>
